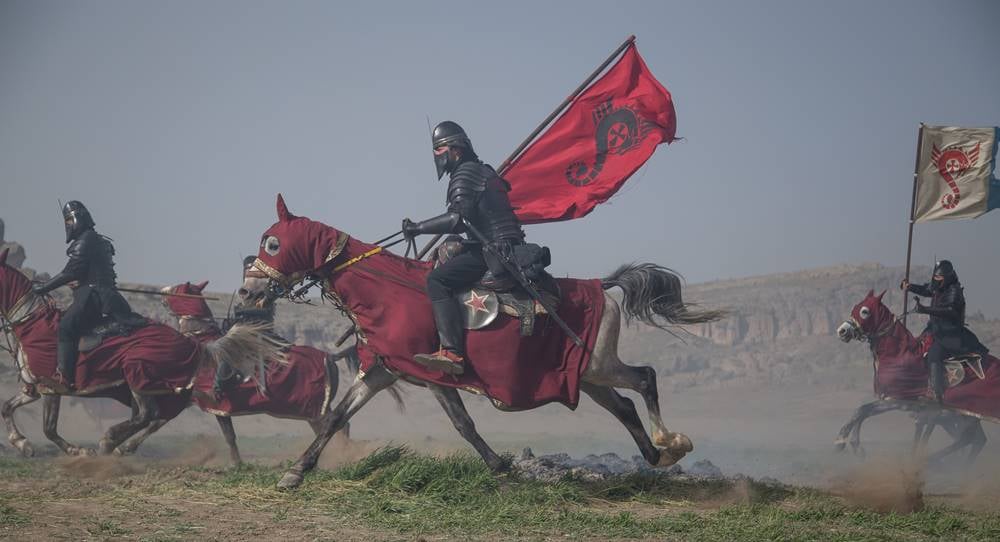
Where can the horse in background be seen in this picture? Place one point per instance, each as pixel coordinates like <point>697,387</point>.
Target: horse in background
<point>901,382</point>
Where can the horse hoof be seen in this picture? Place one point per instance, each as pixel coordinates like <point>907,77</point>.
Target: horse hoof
<point>81,452</point>
<point>104,448</point>
<point>290,480</point>
<point>668,458</point>
<point>25,448</point>
<point>679,443</point>
<point>840,446</point>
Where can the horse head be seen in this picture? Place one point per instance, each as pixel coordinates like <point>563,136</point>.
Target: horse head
<point>13,285</point>
<point>192,313</point>
<point>290,250</point>
<point>869,318</point>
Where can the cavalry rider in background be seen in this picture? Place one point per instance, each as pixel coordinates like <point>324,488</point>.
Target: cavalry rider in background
<point>946,324</point>
<point>478,194</point>
<point>90,271</point>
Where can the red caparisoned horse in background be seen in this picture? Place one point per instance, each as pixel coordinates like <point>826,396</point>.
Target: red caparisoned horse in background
<point>519,362</point>
<point>152,369</point>
<point>300,389</point>
<point>901,383</point>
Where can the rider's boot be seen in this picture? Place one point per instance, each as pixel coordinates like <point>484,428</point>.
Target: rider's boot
<point>937,380</point>
<point>66,354</point>
<point>450,358</point>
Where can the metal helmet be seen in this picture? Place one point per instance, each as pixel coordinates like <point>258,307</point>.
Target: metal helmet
<point>945,269</point>
<point>445,135</point>
<point>77,219</point>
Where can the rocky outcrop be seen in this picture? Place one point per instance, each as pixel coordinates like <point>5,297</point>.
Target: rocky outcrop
<point>15,252</point>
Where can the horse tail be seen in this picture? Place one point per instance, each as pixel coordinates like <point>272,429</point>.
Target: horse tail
<point>653,296</point>
<point>353,362</point>
<point>247,348</point>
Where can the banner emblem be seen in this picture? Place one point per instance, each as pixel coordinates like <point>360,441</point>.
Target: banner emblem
<point>952,162</point>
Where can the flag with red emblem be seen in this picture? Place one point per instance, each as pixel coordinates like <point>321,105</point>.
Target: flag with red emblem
<point>588,153</point>
<point>955,173</point>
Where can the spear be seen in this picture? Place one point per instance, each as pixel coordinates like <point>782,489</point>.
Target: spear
<point>165,294</point>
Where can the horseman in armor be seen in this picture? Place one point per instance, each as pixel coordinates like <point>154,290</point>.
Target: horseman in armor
<point>91,273</point>
<point>478,194</point>
<point>946,324</point>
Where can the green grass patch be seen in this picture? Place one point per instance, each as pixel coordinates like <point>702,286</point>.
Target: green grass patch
<point>397,493</point>
<point>9,517</point>
<point>106,527</point>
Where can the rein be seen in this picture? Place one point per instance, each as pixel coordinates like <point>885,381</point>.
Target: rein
<point>301,292</point>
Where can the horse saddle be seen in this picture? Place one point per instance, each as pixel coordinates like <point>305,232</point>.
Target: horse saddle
<point>110,326</point>
<point>955,368</point>
<point>495,293</point>
<point>480,307</point>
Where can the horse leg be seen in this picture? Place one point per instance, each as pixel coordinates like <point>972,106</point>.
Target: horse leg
<point>342,436</point>
<point>607,369</point>
<point>861,413</point>
<point>229,433</point>
<point>978,441</point>
<point>145,411</point>
<point>17,440</point>
<point>876,408</point>
<point>132,444</point>
<point>359,393</point>
<point>962,433</point>
<point>50,426</point>
<point>451,402</point>
<point>624,409</point>
<point>919,425</point>
<point>333,381</point>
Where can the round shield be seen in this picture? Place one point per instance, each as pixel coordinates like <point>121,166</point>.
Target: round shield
<point>479,307</point>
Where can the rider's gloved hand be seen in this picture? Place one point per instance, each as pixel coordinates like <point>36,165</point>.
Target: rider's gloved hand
<point>920,308</point>
<point>410,228</point>
<point>904,285</point>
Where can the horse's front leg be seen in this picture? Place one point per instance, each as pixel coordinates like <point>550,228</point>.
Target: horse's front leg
<point>144,411</point>
<point>359,393</point>
<point>131,445</point>
<point>50,426</point>
<point>17,440</point>
<point>451,402</point>
<point>861,413</point>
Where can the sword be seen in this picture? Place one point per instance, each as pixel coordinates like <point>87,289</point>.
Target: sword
<point>170,294</point>
<point>523,281</point>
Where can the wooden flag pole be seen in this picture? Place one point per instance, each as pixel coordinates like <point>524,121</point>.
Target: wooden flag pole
<point>913,211</point>
<point>506,164</point>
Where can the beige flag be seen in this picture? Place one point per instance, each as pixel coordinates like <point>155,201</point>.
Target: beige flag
<point>954,172</point>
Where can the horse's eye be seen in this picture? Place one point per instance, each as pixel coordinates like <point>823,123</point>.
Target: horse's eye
<point>271,245</point>
<point>865,312</point>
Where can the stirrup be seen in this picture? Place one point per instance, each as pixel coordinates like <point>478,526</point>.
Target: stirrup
<point>442,360</point>
<point>59,378</point>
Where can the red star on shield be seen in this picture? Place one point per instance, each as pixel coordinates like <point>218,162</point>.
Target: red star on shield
<point>477,302</point>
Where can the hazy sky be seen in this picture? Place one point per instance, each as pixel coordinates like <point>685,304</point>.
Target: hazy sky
<point>177,122</point>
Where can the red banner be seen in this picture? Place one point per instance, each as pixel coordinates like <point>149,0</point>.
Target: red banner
<point>588,153</point>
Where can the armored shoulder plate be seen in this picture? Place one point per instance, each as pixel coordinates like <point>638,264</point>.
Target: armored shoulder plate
<point>468,180</point>
<point>466,187</point>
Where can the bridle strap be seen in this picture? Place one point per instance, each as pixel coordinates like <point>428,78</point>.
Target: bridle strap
<point>23,309</point>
